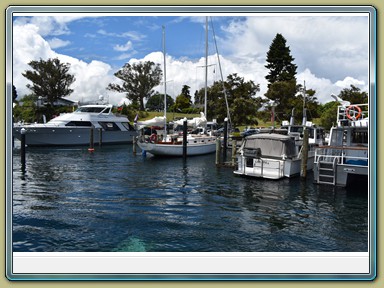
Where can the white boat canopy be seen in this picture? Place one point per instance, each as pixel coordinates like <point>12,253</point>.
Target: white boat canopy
<point>271,145</point>
<point>195,122</point>
<point>156,121</point>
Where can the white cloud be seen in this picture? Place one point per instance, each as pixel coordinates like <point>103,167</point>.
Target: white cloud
<point>28,46</point>
<point>122,48</point>
<point>49,25</point>
<point>348,81</point>
<point>332,47</point>
<point>324,87</point>
<point>58,43</point>
<point>91,78</point>
<point>329,54</point>
<point>191,73</point>
<point>130,34</point>
<point>125,56</point>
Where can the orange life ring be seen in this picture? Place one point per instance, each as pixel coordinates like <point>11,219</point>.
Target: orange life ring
<point>153,137</point>
<point>354,109</point>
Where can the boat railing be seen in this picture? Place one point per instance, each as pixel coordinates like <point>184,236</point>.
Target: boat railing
<point>352,115</point>
<point>265,167</point>
<point>35,125</point>
<point>342,155</point>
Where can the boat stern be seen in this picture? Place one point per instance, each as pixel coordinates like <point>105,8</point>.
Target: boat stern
<point>260,167</point>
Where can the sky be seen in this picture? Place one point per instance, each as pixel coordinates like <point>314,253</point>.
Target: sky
<point>330,50</point>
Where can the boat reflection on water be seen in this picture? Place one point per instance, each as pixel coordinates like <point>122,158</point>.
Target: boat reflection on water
<point>71,200</point>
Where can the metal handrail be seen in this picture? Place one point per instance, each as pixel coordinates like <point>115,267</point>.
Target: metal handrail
<point>340,156</point>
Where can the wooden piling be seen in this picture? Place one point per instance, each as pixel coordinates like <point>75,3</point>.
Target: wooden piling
<point>184,139</point>
<point>100,136</point>
<point>91,149</point>
<point>225,139</point>
<point>22,148</point>
<point>234,149</point>
<point>304,154</point>
<point>218,151</point>
<point>134,141</point>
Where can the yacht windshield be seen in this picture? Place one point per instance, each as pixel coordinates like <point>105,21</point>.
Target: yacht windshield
<point>93,109</point>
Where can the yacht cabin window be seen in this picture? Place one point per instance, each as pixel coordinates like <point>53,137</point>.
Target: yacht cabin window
<point>128,126</point>
<point>342,137</point>
<point>109,126</point>
<point>79,123</point>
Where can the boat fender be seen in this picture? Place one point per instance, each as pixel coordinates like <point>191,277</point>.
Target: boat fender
<point>153,137</point>
<point>353,108</point>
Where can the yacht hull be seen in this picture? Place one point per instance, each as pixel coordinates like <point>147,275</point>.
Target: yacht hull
<point>65,136</point>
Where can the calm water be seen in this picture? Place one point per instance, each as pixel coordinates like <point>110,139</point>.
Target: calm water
<point>111,200</point>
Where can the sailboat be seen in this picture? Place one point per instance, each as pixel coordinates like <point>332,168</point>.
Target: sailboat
<point>172,145</point>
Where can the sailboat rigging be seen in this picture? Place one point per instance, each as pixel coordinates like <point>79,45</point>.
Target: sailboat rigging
<point>172,145</point>
<point>165,86</point>
<point>221,74</point>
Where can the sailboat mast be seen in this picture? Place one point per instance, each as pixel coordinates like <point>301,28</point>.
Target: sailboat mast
<point>221,73</point>
<point>304,109</point>
<point>165,86</point>
<point>206,66</point>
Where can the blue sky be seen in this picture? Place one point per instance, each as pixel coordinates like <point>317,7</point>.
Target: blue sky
<point>118,39</point>
<point>331,51</point>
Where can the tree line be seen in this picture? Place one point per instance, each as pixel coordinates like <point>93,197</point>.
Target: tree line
<point>51,80</point>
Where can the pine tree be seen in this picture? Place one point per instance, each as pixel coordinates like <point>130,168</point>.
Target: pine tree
<point>14,93</point>
<point>185,91</point>
<point>280,61</point>
<point>282,76</point>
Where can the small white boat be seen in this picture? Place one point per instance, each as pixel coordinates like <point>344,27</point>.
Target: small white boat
<point>75,128</point>
<point>173,145</point>
<point>316,135</point>
<point>345,159</point>
<point>271,156</point>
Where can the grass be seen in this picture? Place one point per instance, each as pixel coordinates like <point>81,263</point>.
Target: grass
<point>170,115</point>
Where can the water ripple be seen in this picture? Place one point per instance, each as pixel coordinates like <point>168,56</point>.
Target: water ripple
<point>110,200</point>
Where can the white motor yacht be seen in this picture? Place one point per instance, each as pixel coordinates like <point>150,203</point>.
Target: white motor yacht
<point>75,128</point>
